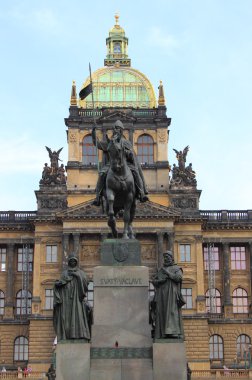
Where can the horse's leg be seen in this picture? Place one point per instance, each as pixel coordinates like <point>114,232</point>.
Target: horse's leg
<point>126,214</point>
<point>132,214</point>
<point>111,215</point>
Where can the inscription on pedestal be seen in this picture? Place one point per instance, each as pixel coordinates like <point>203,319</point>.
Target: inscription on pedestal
<point>115,276</point>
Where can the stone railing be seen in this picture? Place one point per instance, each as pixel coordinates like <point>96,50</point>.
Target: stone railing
<point>16,216</point>
<point>227,215</point>
<point>219,373</point>
<point>89,113</point>
<point>15,375</point>
<point>196,375</point>
<point>146,113</point>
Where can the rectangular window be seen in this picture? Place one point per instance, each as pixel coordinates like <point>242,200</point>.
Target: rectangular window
<point>238,258</point>
<point>211,253</point>
<point>2,259</point>
<point>185,252</point>
<point>49,299</point>
<point>187,294</point>
<point>25,259</point>
<point>51,253</point>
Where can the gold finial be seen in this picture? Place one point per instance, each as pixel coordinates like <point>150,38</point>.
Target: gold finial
<point>73,100</point>
<point>117,18</point>
<point>161,98</point>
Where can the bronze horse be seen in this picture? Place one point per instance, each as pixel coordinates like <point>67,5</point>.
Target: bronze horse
<point>120,188</point>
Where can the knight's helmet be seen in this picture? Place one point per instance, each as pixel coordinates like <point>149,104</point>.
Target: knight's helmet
<point>119,124</point>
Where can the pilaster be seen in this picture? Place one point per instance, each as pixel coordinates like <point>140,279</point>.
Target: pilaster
<point>226,280</point>
<point>160,240</point>
<point>36,300</point>
<point>76,241</point>
<point>200,275</point>
<point>8,312</point>
<point>250,263</point>
<point>65,249</point>
<point>170,241</point>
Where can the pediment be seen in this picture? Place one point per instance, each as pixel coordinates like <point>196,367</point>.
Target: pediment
<point>148,210</point>
<point>117,115</point>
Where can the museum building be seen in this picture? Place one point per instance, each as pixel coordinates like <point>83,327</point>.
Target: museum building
<point>214,247</point>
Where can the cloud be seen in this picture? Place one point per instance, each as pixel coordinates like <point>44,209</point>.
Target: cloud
<point>159,38</point>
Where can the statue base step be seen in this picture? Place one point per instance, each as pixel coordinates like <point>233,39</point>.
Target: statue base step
<point>169,360</point>
<point>73,360</point>
<point>121,369</point>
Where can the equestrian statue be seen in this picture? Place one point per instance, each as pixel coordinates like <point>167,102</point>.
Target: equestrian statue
<point>120,180</point>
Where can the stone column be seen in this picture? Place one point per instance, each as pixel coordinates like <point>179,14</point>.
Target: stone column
<point>65,249</point>
<point>226,281</point>
<point>8,312</point>
<point>160,248</point>
<point>76,239</point>
<point>170,241</point>
<point>131,135</point>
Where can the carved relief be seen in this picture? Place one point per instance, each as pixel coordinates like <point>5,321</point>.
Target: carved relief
<point>52,203</point>
<point>201,306</point>
<point>162,136</point>
<point>89,252</point>
<point>184,202</point>
<point>148,252</point>
<point>72,137</point>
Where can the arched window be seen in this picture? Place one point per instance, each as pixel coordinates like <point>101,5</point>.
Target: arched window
<point>240,301</point>
<point>88,151</point>
<point>243,343</point>
<point>145,149</point>
<point>216,301</point>
<point>23,302</point>
<point>216,347</point>
<point>21,348</point>
<point>1,302</point>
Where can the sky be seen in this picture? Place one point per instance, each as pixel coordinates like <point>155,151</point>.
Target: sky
<point>200,49</point>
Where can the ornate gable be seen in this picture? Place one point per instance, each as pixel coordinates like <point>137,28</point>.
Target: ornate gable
<point>148,210</point>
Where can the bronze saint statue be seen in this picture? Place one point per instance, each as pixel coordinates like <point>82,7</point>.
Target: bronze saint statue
<point>168,300</point>
<point>121,179</point>
<point>70,313</point>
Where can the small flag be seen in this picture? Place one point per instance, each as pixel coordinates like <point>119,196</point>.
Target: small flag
<point>86,91</point>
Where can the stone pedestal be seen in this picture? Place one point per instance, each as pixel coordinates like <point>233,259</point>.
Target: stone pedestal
<point>169,360</point>
<point>118,252</point>
<point>121,334</point>
<point>73,360</point>
<point>121,307</point>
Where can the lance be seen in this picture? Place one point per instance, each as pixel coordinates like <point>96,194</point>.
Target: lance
<point>92,94</point>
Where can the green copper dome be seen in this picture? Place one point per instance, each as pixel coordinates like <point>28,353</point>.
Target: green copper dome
<point>117,84</point>
<point>119,87</point>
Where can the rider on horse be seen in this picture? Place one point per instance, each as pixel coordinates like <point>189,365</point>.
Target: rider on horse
<point>132,163</point>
